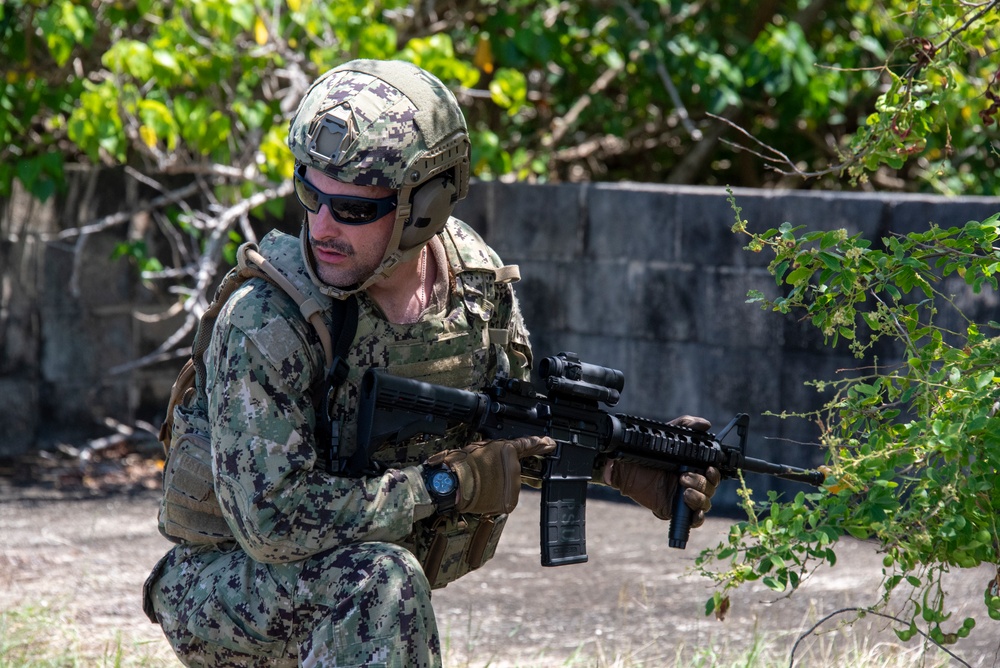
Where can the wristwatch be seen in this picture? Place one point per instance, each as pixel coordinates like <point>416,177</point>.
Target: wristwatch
<point>442,484</point>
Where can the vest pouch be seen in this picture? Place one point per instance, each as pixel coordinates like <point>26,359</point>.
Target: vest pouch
<point>448,547</point>
<point>189,510</point>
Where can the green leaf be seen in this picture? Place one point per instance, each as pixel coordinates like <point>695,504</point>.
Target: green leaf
<point>773,583</point>
<point>95,126</point>
<point>985,379</point>
<point>151,265</point>
<point>780,269</point>
<point>157,116</point>
<point>65,26</point>
<point>165,65</point>
<point>858,532</point>
<point>831,260</point>
<point>377,41</point>
<point>509,89</point>
<point>28,171</point>
<point>799,275</point>
<point>130,57</point>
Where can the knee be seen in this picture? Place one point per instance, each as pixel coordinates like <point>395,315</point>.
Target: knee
<point>395,563</point>
<point>368,567</point>
<point>368,601</point>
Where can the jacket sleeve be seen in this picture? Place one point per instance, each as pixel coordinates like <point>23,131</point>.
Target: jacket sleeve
<point>274,492</point>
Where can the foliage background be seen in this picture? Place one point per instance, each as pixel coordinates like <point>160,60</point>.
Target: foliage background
<point>902,93</point>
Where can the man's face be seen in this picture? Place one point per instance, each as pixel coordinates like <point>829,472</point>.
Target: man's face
<point>346,254</point>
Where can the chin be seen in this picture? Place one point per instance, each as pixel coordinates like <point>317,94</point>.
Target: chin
<point>333,278</point>
<point>336,276</point>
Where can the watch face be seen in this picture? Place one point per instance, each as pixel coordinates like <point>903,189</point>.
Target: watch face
<point>442,482</point>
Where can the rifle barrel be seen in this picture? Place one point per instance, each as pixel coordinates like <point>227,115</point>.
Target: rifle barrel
<point>783,471</point>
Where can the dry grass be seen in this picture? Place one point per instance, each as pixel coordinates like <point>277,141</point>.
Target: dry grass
<point>40,636</point>
<point>43,637</point>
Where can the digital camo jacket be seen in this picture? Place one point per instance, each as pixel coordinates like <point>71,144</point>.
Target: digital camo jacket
<point>262,365</point>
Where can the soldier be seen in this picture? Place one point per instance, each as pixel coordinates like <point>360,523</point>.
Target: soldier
<point>318,557</point>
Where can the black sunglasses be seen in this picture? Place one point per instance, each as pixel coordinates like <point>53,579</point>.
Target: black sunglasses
<point>345,209</point>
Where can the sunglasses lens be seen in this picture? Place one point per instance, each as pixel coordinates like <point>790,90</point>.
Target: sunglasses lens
<point>353,211</point>
<point>307,196</point>
<point>345,208</point>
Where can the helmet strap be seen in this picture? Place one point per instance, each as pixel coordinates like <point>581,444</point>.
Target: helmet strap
<point>394,255</point>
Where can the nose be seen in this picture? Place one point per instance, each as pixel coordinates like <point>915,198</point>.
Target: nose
<point>323,225</point>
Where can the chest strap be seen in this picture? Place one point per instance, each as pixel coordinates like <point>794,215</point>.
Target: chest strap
<point>345,325</point>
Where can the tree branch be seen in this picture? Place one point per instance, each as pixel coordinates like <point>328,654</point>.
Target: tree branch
<point>865,611</point>
<point>114,219</point>
<point>560,125</point>
<point>775,157</point>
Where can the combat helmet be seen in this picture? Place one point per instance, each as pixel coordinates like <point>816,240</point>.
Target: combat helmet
<point>390,124</point>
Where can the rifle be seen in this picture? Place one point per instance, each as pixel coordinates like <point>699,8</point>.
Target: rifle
<point>397,409</point>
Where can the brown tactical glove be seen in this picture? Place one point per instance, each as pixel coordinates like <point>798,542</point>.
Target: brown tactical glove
<point>655,488</point>
<point>489,473</point>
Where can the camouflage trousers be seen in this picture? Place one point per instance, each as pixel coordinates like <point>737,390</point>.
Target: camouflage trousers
<point>363,605</point>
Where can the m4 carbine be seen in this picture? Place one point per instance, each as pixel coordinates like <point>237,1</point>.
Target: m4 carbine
<point>397,409</point>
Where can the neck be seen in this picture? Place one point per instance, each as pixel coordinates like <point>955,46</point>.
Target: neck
<point>404,294</point>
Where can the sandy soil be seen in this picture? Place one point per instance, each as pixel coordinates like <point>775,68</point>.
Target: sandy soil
<point>82,555</point>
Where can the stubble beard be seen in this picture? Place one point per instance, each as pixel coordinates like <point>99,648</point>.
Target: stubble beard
<point>337,276</point>
<point>353,270</point>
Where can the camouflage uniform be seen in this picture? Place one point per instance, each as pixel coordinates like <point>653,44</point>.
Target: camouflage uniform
<point>326,570</point>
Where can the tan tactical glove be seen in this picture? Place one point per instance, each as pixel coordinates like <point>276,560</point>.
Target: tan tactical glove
<point>489,473</point>
<point>655,488</point>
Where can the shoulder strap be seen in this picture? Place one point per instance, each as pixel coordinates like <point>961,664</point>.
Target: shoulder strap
<point>468,252</point>
<point>309,307</point>
<point>187,380</point>
<point>251,264</point>
<point>345,317</point>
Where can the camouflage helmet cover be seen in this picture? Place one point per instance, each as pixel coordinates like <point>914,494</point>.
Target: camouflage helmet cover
<point>369,122</point>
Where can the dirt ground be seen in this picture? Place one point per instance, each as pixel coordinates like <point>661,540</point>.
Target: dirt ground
<point>81,549</point>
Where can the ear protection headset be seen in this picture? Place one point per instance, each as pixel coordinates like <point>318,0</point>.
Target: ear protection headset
<point>431,202</point>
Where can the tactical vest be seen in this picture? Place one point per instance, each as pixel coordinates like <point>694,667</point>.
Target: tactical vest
<point>456,347</point>
<point>463,346</point>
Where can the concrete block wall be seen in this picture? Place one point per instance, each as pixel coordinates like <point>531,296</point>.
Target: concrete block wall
<point>644,278</point>
<point>67,317</point>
